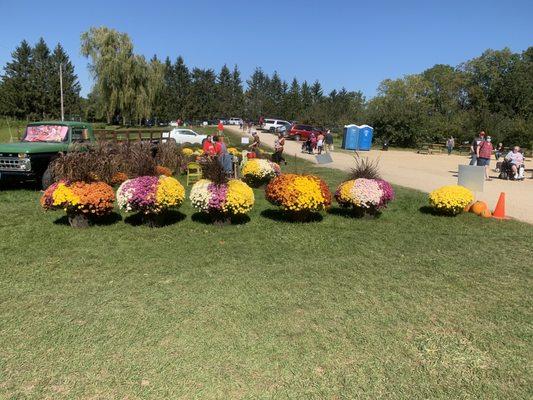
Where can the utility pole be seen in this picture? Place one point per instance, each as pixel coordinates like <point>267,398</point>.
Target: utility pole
<point>61,89</point>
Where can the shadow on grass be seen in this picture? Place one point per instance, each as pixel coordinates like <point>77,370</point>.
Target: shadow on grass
<point>110,219</point>
<point>283,216</point>
<point>170,217</point>
<point>431,211</point>
<point>351,213</point>
<point>206,219</point>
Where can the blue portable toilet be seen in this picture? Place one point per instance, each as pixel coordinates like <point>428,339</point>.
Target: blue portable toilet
<point>357,137</point>
<point>365,137</point>
<point>350,137</point>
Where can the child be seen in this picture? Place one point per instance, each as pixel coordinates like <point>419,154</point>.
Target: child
<point>320,143</point>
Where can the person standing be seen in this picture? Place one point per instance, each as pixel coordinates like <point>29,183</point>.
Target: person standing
<point>320,142</point>
<point>220,128</point>
<point>329,141</point>
<point>279,145</point>
<point>473,147</point>
<point>483,155</point>
<point>450,144</point>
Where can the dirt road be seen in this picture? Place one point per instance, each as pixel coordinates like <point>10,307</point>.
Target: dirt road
<point>426,173</point>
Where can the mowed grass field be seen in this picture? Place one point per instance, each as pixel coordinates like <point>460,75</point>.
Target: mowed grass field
<point>410,305</point>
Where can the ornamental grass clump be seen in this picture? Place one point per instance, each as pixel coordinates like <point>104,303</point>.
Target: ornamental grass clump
<point>298,195</point>
<point>257,172</point>
<point>218,197</point>
<point>450,200</point>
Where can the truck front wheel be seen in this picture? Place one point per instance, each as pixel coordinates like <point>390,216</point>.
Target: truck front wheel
<point>46,178</point>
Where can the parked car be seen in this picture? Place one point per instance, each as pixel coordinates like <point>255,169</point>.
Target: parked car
<point>182,136</point>
<point>270,125</point>
<point>235,121</point>
<point>283,128</point>
<point>302,132</point>
<point>29,159</point>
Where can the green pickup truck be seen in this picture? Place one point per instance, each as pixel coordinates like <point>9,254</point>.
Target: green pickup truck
<point>41,143</point>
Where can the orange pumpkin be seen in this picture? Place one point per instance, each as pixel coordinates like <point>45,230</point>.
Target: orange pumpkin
<point>468,206</point>
<point>478,207</point>
<point>486,213</point>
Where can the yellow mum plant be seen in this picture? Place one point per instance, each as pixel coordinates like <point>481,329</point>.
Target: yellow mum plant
<point>450,200</point>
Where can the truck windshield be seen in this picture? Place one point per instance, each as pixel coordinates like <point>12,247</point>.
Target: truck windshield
<point>45,133</point>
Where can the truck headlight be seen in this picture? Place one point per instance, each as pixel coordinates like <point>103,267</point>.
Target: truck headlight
<point>25,164</point>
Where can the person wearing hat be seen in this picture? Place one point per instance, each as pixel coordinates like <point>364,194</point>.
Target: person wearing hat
<point>483,154</point>
<point>473,147</point>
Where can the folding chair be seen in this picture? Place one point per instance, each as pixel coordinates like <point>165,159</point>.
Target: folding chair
<point>194,172</point>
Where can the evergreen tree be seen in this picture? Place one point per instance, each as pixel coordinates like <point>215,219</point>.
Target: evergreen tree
<point>224,93</point>
<point>71,85</point>
<point>293,105</point>
<point>306,96</point>
<point>201,100</point>
<point>256,94</point>
<point>237,95</point>
<point>40,78</point>
<point>16,96</point>
<point>316,92</point>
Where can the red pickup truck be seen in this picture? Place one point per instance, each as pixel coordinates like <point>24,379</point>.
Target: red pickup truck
<point>302,132</point>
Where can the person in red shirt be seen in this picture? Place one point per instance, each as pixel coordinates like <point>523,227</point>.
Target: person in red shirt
<point>484,152</point>
<point>220,128</point>
<point>208,147</point>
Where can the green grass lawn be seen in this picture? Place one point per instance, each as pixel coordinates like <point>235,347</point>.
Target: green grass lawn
<point>410,305</point>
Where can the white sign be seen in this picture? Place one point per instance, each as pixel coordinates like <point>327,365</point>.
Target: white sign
<point>245,140</point>
<point>471,177</point>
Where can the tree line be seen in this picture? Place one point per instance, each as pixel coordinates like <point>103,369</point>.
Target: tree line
<point>492,92</point>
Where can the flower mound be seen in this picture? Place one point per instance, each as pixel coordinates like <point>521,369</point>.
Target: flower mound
<point>91,199</point>
<point>257,171</point>
<point>369,195</point>
<point>299,193</point>
<point>150,194</point>
<point>450,200</point>
<point>187,151</point>
<point>229,199</point>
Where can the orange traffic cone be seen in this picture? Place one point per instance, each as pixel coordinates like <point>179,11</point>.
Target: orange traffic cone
<point>499,211</point>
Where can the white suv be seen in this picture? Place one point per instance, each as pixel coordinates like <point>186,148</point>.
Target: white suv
<point>271,125</point>
<point>235,121</point>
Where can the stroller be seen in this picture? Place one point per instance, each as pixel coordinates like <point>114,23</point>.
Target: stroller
<point>506,171</point>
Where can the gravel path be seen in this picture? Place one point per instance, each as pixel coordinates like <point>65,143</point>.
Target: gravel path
<point>426,173</point>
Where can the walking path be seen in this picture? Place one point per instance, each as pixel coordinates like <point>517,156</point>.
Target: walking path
<point>425,173</point>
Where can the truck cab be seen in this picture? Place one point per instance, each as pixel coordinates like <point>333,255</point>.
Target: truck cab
<point>28,160</point>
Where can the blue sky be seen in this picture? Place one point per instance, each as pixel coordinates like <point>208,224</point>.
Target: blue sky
<point>355,44</point>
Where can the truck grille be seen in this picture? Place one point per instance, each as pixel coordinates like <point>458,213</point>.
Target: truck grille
<point>11,164</point>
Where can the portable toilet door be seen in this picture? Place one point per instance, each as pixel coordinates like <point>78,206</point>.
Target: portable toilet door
<point>365,137</point>
<point>351,137</point>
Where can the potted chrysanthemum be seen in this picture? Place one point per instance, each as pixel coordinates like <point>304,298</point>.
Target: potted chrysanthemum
<point>299,196</point>
<point>81,186</point>
<point>218,197</point>
<point>364,192</point>
<point>257,171</point>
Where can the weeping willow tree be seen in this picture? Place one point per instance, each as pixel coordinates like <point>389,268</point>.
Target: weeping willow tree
<point>125,83</point>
